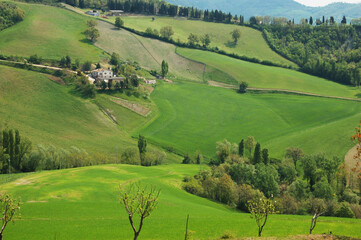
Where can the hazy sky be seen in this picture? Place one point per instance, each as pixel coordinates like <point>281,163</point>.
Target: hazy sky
<point>316,3</point>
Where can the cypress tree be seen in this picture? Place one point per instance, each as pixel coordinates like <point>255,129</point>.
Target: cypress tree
<point>6,141</point>
<point>257,158</point>
<point>241,148</point>
<point>265,156</point>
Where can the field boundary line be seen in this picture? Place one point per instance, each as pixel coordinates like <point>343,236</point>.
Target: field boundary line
<point>275,90</point>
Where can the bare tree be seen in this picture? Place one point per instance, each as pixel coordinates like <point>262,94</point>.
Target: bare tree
<point>9,207</point>
<point>139,201</point>
<point>260,209</point>
<point>319,208</point>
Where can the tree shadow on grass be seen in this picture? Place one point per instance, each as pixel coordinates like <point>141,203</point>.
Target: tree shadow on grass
<point>358,95</point>
<point>230,44</point>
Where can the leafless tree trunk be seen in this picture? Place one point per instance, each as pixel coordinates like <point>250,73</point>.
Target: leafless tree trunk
<point>314,220</point>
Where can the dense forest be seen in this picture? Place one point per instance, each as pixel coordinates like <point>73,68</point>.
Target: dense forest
<point>244,172</point>
<point>9,15</point>
<point>331,51</point>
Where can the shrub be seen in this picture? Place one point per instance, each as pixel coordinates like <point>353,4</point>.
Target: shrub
<point>130,156</point>
<point>345,211</point>
<point>246,193</point>
<point>351,197</point>
<point>356,209</point>
<point>286,204</point>
<point>193,187</point>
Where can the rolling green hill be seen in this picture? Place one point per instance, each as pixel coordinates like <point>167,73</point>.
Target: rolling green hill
<point>270,77</point>
<point>48,113</point>
<point>194,117</point>
<point>83,203</point>
<point>251,43</point>
<point>49,32</point>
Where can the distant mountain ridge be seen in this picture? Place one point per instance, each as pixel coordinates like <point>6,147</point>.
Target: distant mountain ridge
<point>278,8</point>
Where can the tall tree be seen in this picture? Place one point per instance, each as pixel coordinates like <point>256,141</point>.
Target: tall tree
<point>265,156</point>
<point>206,40</point>
<point>164,68</point>
<point>343,21</point>
<point>249,144</point>
<point>11,147</point>
<point>295,153</point>
<point>257,157</point>
<point>166,32</point>
<point>311,21</point>
<point>241,148</point>
<point>142,146</point>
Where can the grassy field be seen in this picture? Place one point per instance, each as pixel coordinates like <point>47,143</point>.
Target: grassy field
<point>251,43</point>
<point>48,113</point>
<point>149,53</point>
<point>49,32</point>
<point>194,117</point>
<point>83,203</point>
<point>270,77</point>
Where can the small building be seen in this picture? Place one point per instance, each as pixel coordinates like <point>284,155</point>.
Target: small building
<point>150,81</point>
<point>102,74</point>
<point>115,12</point>
<point>117,79</point>
<point>93,13</point>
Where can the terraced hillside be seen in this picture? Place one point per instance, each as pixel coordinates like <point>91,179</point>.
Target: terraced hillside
<point>194,117</point>
<point>83,203</point>
<point>251,43</point>
<point>49,32</point>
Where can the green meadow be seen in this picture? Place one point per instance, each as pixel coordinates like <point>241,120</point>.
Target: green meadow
<point>261,76</point>
<point>49,113</point>
<point>251,43</point>
<point>83,203</point>
<point>194,117</point>
<point>49,32</point>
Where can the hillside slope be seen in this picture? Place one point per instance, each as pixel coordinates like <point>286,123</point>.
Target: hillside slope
<point>195,117</point>
<point>83,203</point>
<point>251,43</point>
<point>49,32</point>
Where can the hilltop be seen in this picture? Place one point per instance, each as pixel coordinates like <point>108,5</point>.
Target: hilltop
<point>278,8</point>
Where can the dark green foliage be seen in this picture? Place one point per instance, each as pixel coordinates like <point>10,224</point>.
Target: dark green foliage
<point>343,21</point>
<point>205,40</point>
<point>309,170</point>
<point>87,66</point>
<point>242,173</point>
<point>187,159</point>
<point>265,156</point>
<point>287,172</point>
<point>110,85</point>
<point>164,68</point>
<point>134,80</point>
<point>243,87</point>
<point>98,66</point>
<point>103,85</point>
<point>119,22</point>
<point>257,157</point>
<point>345,211</point>
<point>266,180</point>
<point>142,144</point>
<point>9,15</point>
<point>241,148</point>
<point>114,59</point>
<point>35,59</point>
<point>83,86</point>
<point>325,51</point>
<point>323,190</point>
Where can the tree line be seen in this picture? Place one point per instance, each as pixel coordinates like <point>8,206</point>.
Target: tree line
<point>245,171</point>
<point>9,15</point>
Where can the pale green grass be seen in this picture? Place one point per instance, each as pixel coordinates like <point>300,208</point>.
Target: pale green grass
<point>49,32</point>
<point>194,117</point>
<point>260,76</point>
<point>149,53</point>
<point>251,43</point>
<point>83,203</point>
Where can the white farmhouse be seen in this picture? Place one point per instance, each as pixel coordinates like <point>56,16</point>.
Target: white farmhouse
<point>102,74</point>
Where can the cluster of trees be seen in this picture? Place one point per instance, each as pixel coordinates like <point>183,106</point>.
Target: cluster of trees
<point>9,15</point>
<point>330,51</point>
<point>244,172</point>
<point>142,156</point>
<point>83,86</point>
<point>14,150</point>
